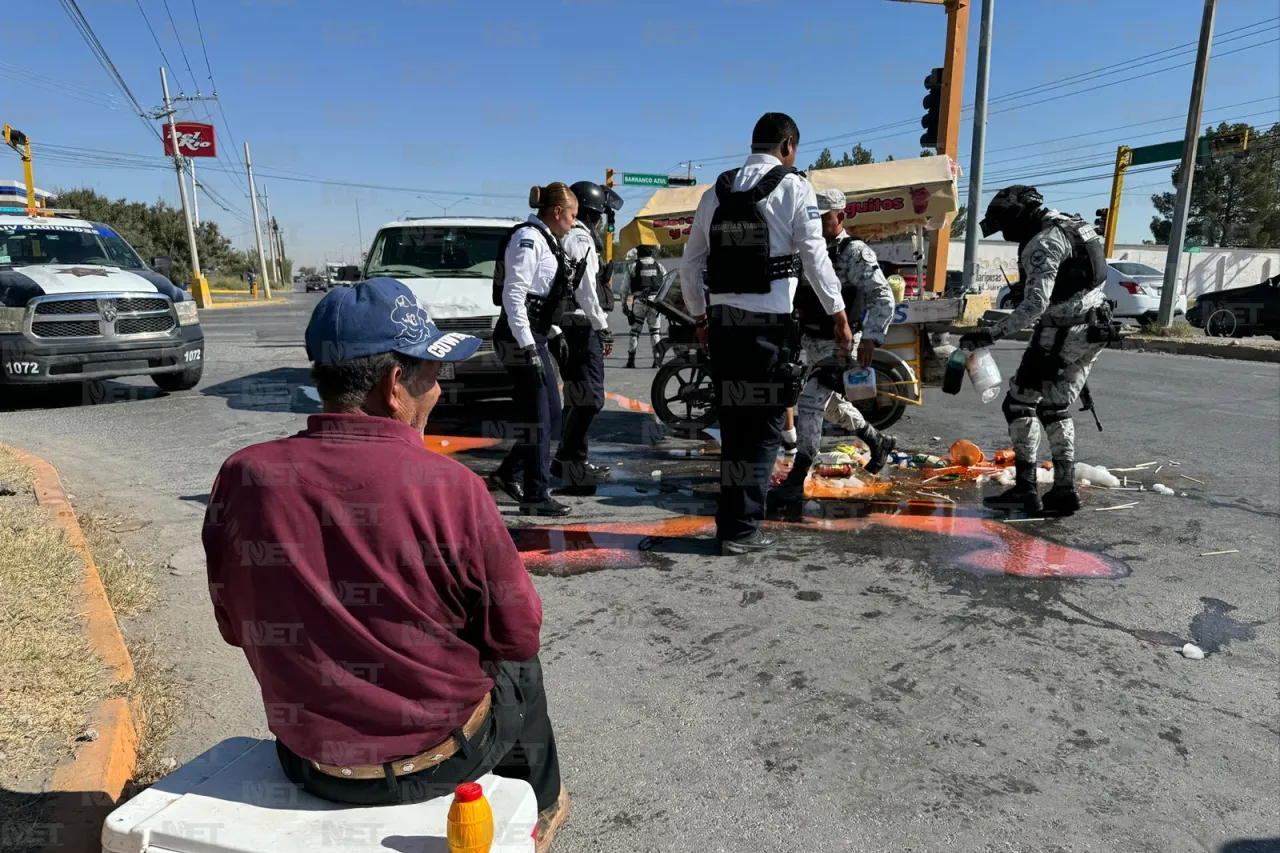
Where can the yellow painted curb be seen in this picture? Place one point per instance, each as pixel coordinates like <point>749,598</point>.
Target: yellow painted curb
<point>241,303</point>
<point>93,781</point>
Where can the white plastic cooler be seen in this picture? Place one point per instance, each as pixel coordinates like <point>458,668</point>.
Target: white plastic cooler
<point>236,799</point>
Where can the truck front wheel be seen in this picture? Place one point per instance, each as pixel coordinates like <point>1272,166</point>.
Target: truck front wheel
<point>184,381</point>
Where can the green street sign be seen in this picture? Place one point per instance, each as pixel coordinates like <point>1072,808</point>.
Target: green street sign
<point>1161,153</point>
<point>637,180</point>
<point>1192,248</point>
<point>1208,146</point>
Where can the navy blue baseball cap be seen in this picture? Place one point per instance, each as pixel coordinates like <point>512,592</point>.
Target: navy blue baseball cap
<point>376,316</point>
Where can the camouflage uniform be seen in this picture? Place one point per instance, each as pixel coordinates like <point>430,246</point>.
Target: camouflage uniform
<point>1031,403</point>
<point>640,312</point>
<point>865,288</point>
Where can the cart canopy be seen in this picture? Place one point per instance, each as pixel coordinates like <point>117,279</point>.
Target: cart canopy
<point>883,199</point>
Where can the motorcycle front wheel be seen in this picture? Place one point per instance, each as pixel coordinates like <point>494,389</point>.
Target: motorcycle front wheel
<point>684,396</point>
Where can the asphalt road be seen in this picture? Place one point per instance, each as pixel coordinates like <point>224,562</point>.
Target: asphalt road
<point>885,682</point>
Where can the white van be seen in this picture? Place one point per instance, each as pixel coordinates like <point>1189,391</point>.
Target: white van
<point>448,261</point>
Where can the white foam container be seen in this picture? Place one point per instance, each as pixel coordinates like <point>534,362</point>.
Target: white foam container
<point>860,384</point>
<point>236,799</point>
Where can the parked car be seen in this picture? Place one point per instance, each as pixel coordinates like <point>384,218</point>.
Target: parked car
<point>78,304</point>
<point>1133,289</point>
<point>1240,311</point>
<point>448,263</point>
<point>315,282</point>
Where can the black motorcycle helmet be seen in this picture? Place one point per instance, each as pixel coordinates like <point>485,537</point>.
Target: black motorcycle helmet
<point>1015,212</point>
<point>646,251</point>
<point>594,200</point>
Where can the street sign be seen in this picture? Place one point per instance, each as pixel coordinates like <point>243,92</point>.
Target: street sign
<point>194,140</point>
<point>1225,143</point>
<point>633,179</point>
<point>681,181</point>
<point>1192,248</point>
<point>1161,153</point>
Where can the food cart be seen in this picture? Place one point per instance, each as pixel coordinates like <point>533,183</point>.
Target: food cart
<point>883,200</point>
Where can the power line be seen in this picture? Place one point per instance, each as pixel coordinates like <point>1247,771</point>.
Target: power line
<point>104,59</point>
<point>156,39</point>
<point>200,31</point>
<point>61,87</point>
<point>182,49</point>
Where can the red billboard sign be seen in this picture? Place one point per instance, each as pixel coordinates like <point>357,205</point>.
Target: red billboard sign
<point>194,140</point>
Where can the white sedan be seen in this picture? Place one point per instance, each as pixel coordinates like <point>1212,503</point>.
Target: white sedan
<point>1134,288</point>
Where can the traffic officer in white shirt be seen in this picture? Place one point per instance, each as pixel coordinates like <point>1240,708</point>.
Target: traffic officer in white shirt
<point>538,280</point>
<point>587,340</point>
<point>752,235</point>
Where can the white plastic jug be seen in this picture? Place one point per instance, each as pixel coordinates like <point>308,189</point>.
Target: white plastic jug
<point>984,374</point>
<point>859,384</point>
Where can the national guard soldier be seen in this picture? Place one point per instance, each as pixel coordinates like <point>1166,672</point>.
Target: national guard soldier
<point>864,288</point>
<point>646,280</point>
<point>1063,266</point>
<point>587,340</point>
<point>752,235</point>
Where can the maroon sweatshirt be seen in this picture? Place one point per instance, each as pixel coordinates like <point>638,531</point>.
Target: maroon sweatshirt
<point>367,580</point>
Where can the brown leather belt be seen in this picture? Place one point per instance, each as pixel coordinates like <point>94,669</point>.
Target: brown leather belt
<point>402,766</point>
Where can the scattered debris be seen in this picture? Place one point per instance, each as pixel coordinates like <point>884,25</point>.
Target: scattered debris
<point>1220,553</point>
<point>1117,506</point>
<point>936,495</point>
<point>937,438</point>
<point>1175,464</point>
<point>1020,520</point>
<point>1162,489</point>
<point>1144,465</point>
<point>1159,468</point>
<point>444,442</point>
<point>1122,470</point>
<point>1096,474</point>
<point>1192,479</point>
<point>1184,494</point>
<point>657,475</point>
<point>89,736</point>
<point>6,491</point>
<point>1192,652</point>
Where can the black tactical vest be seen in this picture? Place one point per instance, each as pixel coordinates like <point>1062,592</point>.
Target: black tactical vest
<point>646,278</point>
<point>1086,267</point>
<point>813,318</point>
<point>739,259</point>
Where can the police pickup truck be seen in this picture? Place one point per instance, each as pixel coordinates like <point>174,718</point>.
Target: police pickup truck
<point>78,304</point>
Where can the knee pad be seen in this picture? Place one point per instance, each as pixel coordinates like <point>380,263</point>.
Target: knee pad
<point>1015,410</point>
<point>1052,414</point>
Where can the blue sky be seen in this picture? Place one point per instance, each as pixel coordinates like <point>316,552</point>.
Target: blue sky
<point>477,101</point>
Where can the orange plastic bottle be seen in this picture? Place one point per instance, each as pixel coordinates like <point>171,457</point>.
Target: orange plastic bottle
<point>470,828</point>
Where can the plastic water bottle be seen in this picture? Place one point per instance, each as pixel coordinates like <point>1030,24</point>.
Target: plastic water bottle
<point>984,374</point>
<point>953,377</point>
<point>859,383</point>
<point>470,821</point>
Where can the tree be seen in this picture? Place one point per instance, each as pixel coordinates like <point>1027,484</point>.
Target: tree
<point>856,156</point>
<point>157,230</point>
<point>960,223</point>
<point>1235,198</point>
<point>306,270</point>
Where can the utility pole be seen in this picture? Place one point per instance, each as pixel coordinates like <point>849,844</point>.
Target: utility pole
<point>195,199</point>
<point>608,234</point>
<point>199,286</point>
<point>277,245</point>
<point>271,240</point>
<point>978,152</point>
<point>1182,206</point>
<point>257,227</point>
<point>280,239</point>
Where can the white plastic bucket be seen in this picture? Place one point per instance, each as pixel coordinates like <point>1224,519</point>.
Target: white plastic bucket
<point>860,384</point>
<point>984,374</point>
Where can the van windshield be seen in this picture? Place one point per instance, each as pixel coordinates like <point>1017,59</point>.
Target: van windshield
<point>435,252</point>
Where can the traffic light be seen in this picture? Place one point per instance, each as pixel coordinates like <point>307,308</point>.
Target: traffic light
<point>1100,224</point>
<point>608,177</point>
<point>609,220</point>
<point>933,109</point>
<point>14,137</point>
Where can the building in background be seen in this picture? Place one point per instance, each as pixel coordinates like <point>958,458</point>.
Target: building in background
<point>14,194</point>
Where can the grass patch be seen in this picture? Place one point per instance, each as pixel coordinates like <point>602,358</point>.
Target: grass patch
<point>50,679</point>
<point>1179,329</point>
<point>126,579</point>
<point>228,282</point>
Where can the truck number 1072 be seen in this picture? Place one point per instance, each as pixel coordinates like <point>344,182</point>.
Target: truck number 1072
<point>191,355</point>
<point>22,368</point>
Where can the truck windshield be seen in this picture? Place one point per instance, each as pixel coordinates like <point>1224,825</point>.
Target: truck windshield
<point>435,252</point>
<point>96,245</point>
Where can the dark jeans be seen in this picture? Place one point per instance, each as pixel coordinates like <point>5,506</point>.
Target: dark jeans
<point>583,377</point>
<point>745,348</point>
<point>537,404</point>
<point>515,741</point>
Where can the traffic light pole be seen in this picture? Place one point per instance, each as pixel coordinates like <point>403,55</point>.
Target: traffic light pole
<point>608,234</point>
<point>20,142</point>
<point>949,128</point>
<point>1124,158</point>
<point>978,152</point>
<point>1182,206</point>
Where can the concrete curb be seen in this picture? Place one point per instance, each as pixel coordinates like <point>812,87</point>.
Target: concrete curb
<point>93,781</point>
<point>1233,351</point>
<point>242,303</point>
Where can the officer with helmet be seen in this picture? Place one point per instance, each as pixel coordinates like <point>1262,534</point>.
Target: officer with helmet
<point>646,281</point>
<point>586,341</point>
<point>752,235</point>
<point>1063,268</point>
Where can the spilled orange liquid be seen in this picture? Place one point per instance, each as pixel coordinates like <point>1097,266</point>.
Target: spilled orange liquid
<point>628,403</point>
<point>448,444</point>
<point>974,544</point>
